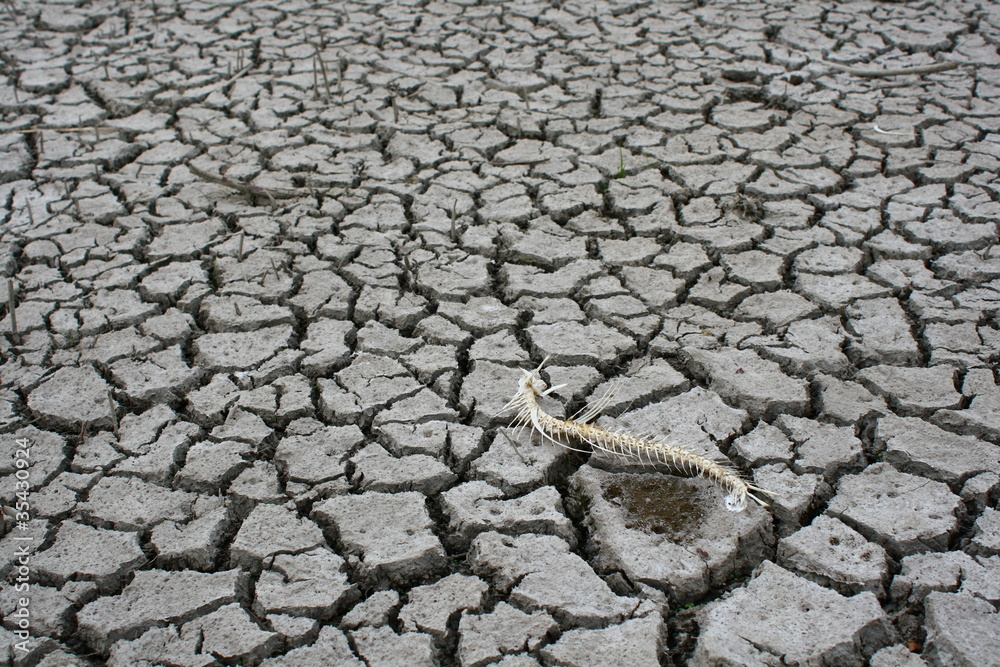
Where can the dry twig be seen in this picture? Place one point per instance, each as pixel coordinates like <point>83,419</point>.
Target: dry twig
<point>248,190</point>
<point>11,308</point>
<point>875,73</point>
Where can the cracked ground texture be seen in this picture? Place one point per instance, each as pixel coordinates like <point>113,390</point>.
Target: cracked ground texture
<point>276,266</point>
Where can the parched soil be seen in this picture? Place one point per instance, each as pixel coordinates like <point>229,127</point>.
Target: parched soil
<point>272,271</point>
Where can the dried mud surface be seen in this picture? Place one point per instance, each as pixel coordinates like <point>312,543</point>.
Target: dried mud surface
<point>275,267</point>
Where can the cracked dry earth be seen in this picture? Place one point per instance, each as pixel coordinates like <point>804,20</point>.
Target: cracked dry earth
<point>277,265</point>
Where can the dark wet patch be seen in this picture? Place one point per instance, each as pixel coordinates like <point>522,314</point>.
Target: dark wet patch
<point>660,505</point>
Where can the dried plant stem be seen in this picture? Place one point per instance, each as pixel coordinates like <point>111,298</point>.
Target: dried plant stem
<point>454,221</point>
<point>11,9</point>
<point>13,313</point>
<point>873,73</point>
<point>225,84</point>
<point>326,77</point>
<point>246,189</point>
<point>114,413</point>
<point>622,445</point>
<point>340,79</point>
<point>80,128</point>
